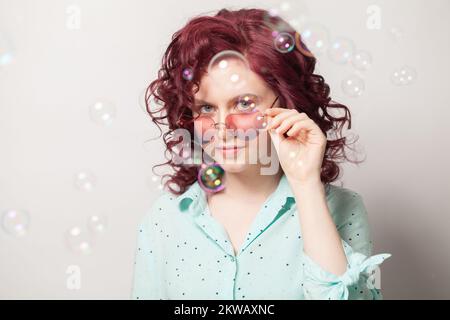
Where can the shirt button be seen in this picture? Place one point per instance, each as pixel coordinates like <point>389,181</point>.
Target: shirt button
<point>232,258</point>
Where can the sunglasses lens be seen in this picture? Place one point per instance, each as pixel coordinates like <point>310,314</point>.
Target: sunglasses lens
<point>260,121</point>
<point>246,121</point>
<point>244,124</point>
<point>203,123</point>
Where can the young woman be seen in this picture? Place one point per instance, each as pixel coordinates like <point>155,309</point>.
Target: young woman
<point>289,234</point>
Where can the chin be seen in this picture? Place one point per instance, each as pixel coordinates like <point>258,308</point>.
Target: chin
<point>233,167</point>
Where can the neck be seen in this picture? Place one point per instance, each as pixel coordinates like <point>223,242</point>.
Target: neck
<point>250,184</point>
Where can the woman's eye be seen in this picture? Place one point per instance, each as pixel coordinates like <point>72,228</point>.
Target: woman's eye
<point>245,105</point>
<point>205,109</point>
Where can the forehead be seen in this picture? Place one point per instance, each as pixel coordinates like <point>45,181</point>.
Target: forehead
<point>227,79</point>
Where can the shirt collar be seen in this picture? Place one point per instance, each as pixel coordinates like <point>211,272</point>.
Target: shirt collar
<point>194,199</point>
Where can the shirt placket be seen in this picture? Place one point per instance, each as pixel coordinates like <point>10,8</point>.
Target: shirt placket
<point>266,218</point>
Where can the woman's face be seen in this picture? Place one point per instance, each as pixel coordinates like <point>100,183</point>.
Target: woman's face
<point>231,88</point>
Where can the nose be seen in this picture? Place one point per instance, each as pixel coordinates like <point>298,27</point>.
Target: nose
<point>223,133</point>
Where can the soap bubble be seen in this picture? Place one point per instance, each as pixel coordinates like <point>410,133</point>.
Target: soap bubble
<point>103,112</point>
<point>85,180</point>
<point>362,60</point>
<point>79,240</point>
<point>211,177</point>
<point>403,76</point>
<point>188,74</point>
<point>353,86</point>
<point>153,182</point>
<point>6,51</point>
<point>316,37</point>
<point>396,33</point>
<point>271,22</point>
<point>97,224</point>
<point>15,222</point>
<point>292,13</point>
<point>284,42</point>
<point>341,50</point>
<point>224,70</point>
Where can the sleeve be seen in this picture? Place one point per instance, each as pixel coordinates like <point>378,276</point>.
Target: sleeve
<point>146,284</point>
<point>358,281</point>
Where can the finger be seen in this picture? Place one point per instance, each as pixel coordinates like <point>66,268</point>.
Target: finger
<point>276,120</point>
<point>295,129</point>
<point>304,126</point>
<point>287,123</point>
<point>275,110</point>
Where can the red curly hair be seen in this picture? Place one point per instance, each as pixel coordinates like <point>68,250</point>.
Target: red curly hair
<point>290,75</point>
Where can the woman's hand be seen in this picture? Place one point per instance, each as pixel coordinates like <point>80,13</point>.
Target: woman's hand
<point>301,153</point>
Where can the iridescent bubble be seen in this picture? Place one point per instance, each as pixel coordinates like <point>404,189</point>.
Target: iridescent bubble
<point>284,42</point>
<point>229,69</point>
<point>154,183</point>
<point>362,60</point>
<point>15,222</point>
<point>285,6</point>
<point>353,86</point>
<point>270,19</point>
<point>396,33</point>
<point>188,74</point>
<point>97,224</point>
<point>341,50</point>
<point>403,76</point>
<point>211,177</point>
<point>296,9</point>
<point>316,37</point>
<point>292,13</point>
<point>6,51</point>
<point>103,112</point>
<point>79,240</point>
<point>85,180</point>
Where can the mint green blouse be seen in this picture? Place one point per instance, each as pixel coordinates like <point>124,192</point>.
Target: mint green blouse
<point>183,252</point>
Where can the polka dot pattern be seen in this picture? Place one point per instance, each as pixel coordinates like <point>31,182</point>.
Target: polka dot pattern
<point>183,252</point>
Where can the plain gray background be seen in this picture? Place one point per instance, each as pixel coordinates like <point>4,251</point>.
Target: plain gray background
<point>47,136</point>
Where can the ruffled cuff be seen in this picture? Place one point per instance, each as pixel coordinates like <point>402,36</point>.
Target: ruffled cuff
<point>321,284</point>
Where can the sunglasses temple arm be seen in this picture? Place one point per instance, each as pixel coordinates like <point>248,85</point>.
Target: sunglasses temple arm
<point>274,102</point>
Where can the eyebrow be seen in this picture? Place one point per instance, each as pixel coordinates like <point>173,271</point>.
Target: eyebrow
<point>201,102</point>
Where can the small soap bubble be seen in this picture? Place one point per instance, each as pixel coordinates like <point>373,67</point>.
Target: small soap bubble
<point>79,240</point>
<point>341,50</point>
<point>316,37</point>
<point>404,76</point>
<point>229,69</point>
<point>396,33</point>
<point>85,180</point>
<point>292,14</point>
<point>97,224</point>
<point>6,50</point>
<point>362,60</point>
<point>284,42</point>
<point>15,222</point>
<point>353,86</point>
<point>102,112</point>
<point>188,74</point>
<point>211,177</point>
